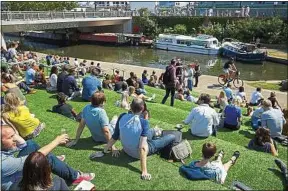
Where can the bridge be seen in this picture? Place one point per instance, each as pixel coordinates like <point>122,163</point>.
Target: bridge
<point>104,21</point>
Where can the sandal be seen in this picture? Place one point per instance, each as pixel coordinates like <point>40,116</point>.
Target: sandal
<point>236,155</point>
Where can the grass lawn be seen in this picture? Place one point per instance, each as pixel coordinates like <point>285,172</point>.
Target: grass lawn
<point>265,85</point>
<point>123,173</point>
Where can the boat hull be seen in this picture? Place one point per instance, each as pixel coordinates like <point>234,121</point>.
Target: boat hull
<point>244,57</point>
<point>188,49</point>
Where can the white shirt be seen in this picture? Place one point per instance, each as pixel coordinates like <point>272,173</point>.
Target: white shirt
<point>53,80</point>
<point>202,118</point>
<point>12,52</point>
<point>255,97</point>
<point>241,95</point>
<point>190,74</point>
<point>76,63</point>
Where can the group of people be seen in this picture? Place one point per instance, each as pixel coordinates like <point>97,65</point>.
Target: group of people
<point>19,127</point>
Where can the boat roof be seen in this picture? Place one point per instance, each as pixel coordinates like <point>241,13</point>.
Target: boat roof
<point>184,37</point>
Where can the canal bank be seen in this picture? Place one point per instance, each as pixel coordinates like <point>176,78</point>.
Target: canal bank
<point>207,84</point>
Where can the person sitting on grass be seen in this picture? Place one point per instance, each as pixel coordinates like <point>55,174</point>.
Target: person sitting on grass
<point>180,95</point>
<point>160,81</point>
<point>256,97</point>
<point>69,86</point>
<point>40,76</point>
<point>274,101</point>
<point>139,85</point>
<point>241,94</point>
<point>233,115</point>
<point>263,142</point>
<point>215,170</point>
<point>131,81</point>
<point>19,117</point>
<point>228,92</point>
<point>144,77</point>
<point>189,97</point>
<point>30,74</point>
<point>37,175</point>
<point>63,108</point>
<point>97,121</point>
<point>116,76</point>
<point>256,117</point>
<point>9,87</point>
<point>12,166</point>
<point>222,101</point>
<point>119,85</point>
<point>124,103</point>
<point>273,119</point>
<point>91,84</point>
<point>153,79</point>
<point>107,82</point>
<point>53,79</point>
<point>61,77</point>
<point>136,137</point>
<point>203,118</point>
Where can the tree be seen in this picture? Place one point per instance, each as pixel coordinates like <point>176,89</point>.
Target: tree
<point>180,29</point>
<point>40,6</point>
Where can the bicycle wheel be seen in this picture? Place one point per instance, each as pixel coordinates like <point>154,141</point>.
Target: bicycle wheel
<point>222,79</point>
<point>238,82</point>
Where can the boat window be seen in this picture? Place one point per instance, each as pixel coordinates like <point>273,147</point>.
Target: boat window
<point>198,43</point>
<point>215,42</point>
<point>188,43</point>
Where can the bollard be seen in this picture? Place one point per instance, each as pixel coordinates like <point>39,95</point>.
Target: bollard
<point>38,16</point>
<point>74,14</point>
<point>63,15</point>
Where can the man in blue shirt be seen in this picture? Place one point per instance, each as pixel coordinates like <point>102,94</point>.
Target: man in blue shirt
<point>12,166</point>
<point>30,75</point>
<point>233,115</point>
<point>90,85</point>
<point>136,137</point>
<point>228,92</point>
<point>70,86</point>
<point>96,119</point>
<point>272,119</point>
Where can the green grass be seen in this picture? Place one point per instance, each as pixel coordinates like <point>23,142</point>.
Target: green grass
<point>124,172</point>
<point>265,85</point>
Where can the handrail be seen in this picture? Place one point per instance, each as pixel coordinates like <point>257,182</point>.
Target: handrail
<point>45,15</point>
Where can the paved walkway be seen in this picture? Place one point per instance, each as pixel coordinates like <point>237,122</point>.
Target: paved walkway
<point>207,84</point>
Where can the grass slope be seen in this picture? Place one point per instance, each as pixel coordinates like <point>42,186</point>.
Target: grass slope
<point>265,85</point>
<point>124,173</point>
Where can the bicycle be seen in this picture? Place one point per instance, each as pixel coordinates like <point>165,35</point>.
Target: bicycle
<point>237,82</point>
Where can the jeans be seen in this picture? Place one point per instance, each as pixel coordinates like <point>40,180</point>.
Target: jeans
<point>168,90</point>
<point>141,91</point>
<point>233,127</point>
<point>196,80</point>
<point>23,86</point>
<point>57,166</point>
<point>155,145</point>
<point>190,84</point>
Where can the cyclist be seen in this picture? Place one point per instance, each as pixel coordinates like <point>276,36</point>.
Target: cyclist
<point>229,68</point>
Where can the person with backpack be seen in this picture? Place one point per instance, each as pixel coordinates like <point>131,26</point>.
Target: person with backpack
<point>170,80</point>
<point>137,138</point>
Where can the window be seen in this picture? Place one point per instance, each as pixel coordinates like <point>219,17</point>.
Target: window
<point>214,41</point>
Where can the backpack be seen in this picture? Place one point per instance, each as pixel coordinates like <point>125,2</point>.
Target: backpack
<point>166,76</point>
<point>178,150</point>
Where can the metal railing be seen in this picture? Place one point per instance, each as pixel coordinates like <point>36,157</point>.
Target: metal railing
<point>39,15</point>
<point>222,12</point>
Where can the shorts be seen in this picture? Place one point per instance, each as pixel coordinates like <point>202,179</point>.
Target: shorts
<point>218,164</point>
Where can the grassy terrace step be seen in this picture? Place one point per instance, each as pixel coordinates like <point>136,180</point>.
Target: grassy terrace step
<point>123,173</point>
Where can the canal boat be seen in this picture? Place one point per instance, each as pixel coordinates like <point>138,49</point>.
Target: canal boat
<point>201,44</point>
<point>109,38</point>
<point>243,52</point>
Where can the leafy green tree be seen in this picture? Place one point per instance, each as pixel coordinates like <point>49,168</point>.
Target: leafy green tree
<point>180,29</point>
<point>39,6</point>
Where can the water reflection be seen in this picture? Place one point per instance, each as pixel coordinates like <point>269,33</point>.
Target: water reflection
<point>144,56</point>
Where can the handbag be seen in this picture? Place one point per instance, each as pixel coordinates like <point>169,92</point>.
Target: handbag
<point>182,151</point>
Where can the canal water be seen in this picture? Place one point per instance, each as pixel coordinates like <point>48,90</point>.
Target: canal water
<point>143,56</point>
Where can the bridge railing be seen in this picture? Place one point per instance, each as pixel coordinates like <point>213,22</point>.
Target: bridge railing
<point>39,15</point>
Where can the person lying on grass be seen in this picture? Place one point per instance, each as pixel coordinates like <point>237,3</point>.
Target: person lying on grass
<point>12,166</point>
<point>63,108</point>
<point>19,117</point>
<point>215,170</point>
<point>96,119</point>
<point>136,137</point>
<point>180,95</point>
<point>263,142</point>
<point>132,93</point>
